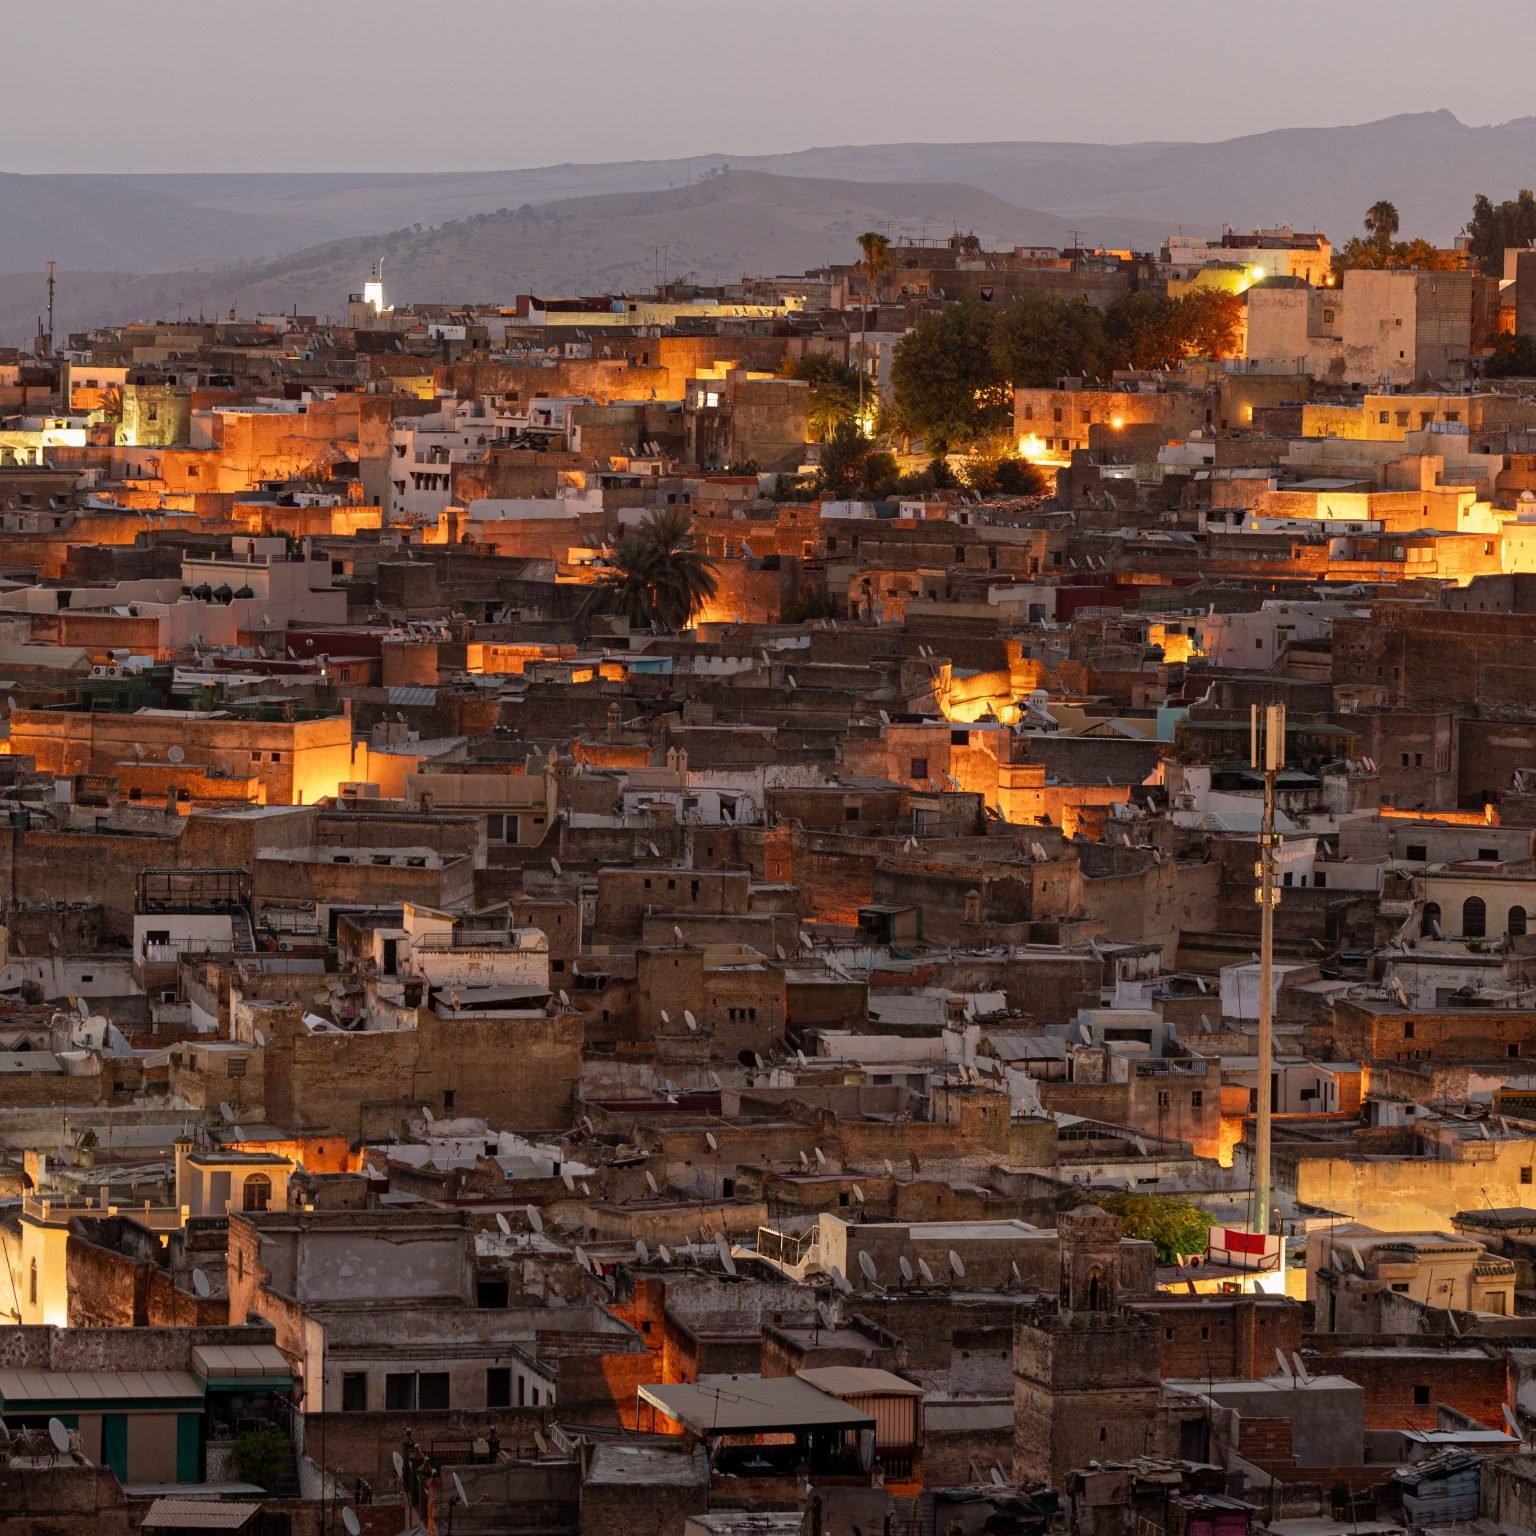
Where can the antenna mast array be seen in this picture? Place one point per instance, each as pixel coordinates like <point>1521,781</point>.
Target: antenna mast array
<point>1267,751</point>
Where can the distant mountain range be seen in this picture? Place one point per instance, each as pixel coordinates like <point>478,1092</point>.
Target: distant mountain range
<point>149,245</point>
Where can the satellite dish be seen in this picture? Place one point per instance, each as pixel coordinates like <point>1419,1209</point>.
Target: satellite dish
<point>581,1257</point>
<point>1280,1360</point>
<point>690,1021</point>
<point>1509,1418</point>
<point>840,1280</point>
<point>642,1253</point>
<point>890,1169</point>
<point>565,998</point>
<point>723,1248</point>
<point>757,1061</point>
<point>1302,1374</point>
<point>554,864</point>
<point>59,1435</point>
<point>200,1283</point>
<point>1013,1269</point>
<point>226,1112</point>
<point>541,1442</point>
<point>458,1488</point>
<point>805,1162</point>
<point>399,1462</point>
<point>714,1078</point>
<point>568,1179</point>
<point>352,1523</point>
<point>535,1220</point>
<point>925,1272</point>
<point>666,1018</point>
<point>778,949</point>
<point>858,1194</point>
<point>997,1477</point>
<point>663,1253</point>
<point>428,1116</point>
<point>650,1182</point>
<point>174,753</point>
<point>261,1039</point>
<point>503,1224</point>
<point>586,1189</point>
<point>957,1268</point>
<point>710,1142</point>
<point>906,1268</point>
<point>821,1157</point>
<point>867,1266</point>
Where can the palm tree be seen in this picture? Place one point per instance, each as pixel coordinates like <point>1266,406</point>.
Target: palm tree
<point>1381,222</point>
<point>655,577</point>
<point>874,263</point>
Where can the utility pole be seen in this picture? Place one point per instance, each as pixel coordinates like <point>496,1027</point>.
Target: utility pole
<point>1266,738</point>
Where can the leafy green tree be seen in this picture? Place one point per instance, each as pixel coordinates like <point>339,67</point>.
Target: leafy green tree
<point>851,466</point>
<point>834,390</point>
<point>1144,331</point>
<point>1514,357</point>
<point>1376,255</point>
<point>655,577</point>
<point>1175,1225</point>
<point>1494,227</point>
<point>1210,321</point>
<point>257,1457</point>
<point>995,469</point>
<point>1381,222</point>
<point>1035,341</point>
<point>948,386</point>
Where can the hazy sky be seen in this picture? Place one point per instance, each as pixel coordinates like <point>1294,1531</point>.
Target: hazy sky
<point>233,85</point>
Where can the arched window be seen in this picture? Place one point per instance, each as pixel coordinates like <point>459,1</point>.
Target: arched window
<point>258,1192</point>
<point>1430,922</point>
<point>1516,922</point>
<point>1474,918</point>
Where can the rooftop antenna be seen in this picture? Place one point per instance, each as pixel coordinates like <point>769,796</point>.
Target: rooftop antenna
<point>52,271</point>
<point>1266,750</point>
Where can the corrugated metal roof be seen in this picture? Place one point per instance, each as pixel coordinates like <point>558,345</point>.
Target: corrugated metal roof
<point>199,1515</point>
<point>967,1418</point>
<point>409,694</point>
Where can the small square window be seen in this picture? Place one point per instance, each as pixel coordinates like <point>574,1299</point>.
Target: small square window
<point>1421,1396</point>
<point>354,1391</point>
<point>919,768</point>
<point>1525,1175</point>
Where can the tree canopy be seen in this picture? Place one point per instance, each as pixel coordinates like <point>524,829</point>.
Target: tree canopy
<point>1494,227</point>
<point>1381,221</point>
<point>1175,1225</point>
<point>948,385</point>
<point>1384,255</point>
<point>655,577</point>
<point>834,391</point>
<point>954,374</point>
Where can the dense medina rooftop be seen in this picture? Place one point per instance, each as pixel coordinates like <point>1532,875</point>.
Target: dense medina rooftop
<point>892,894</point>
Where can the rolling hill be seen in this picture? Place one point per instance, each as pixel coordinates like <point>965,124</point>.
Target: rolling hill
<point>717,228</point>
